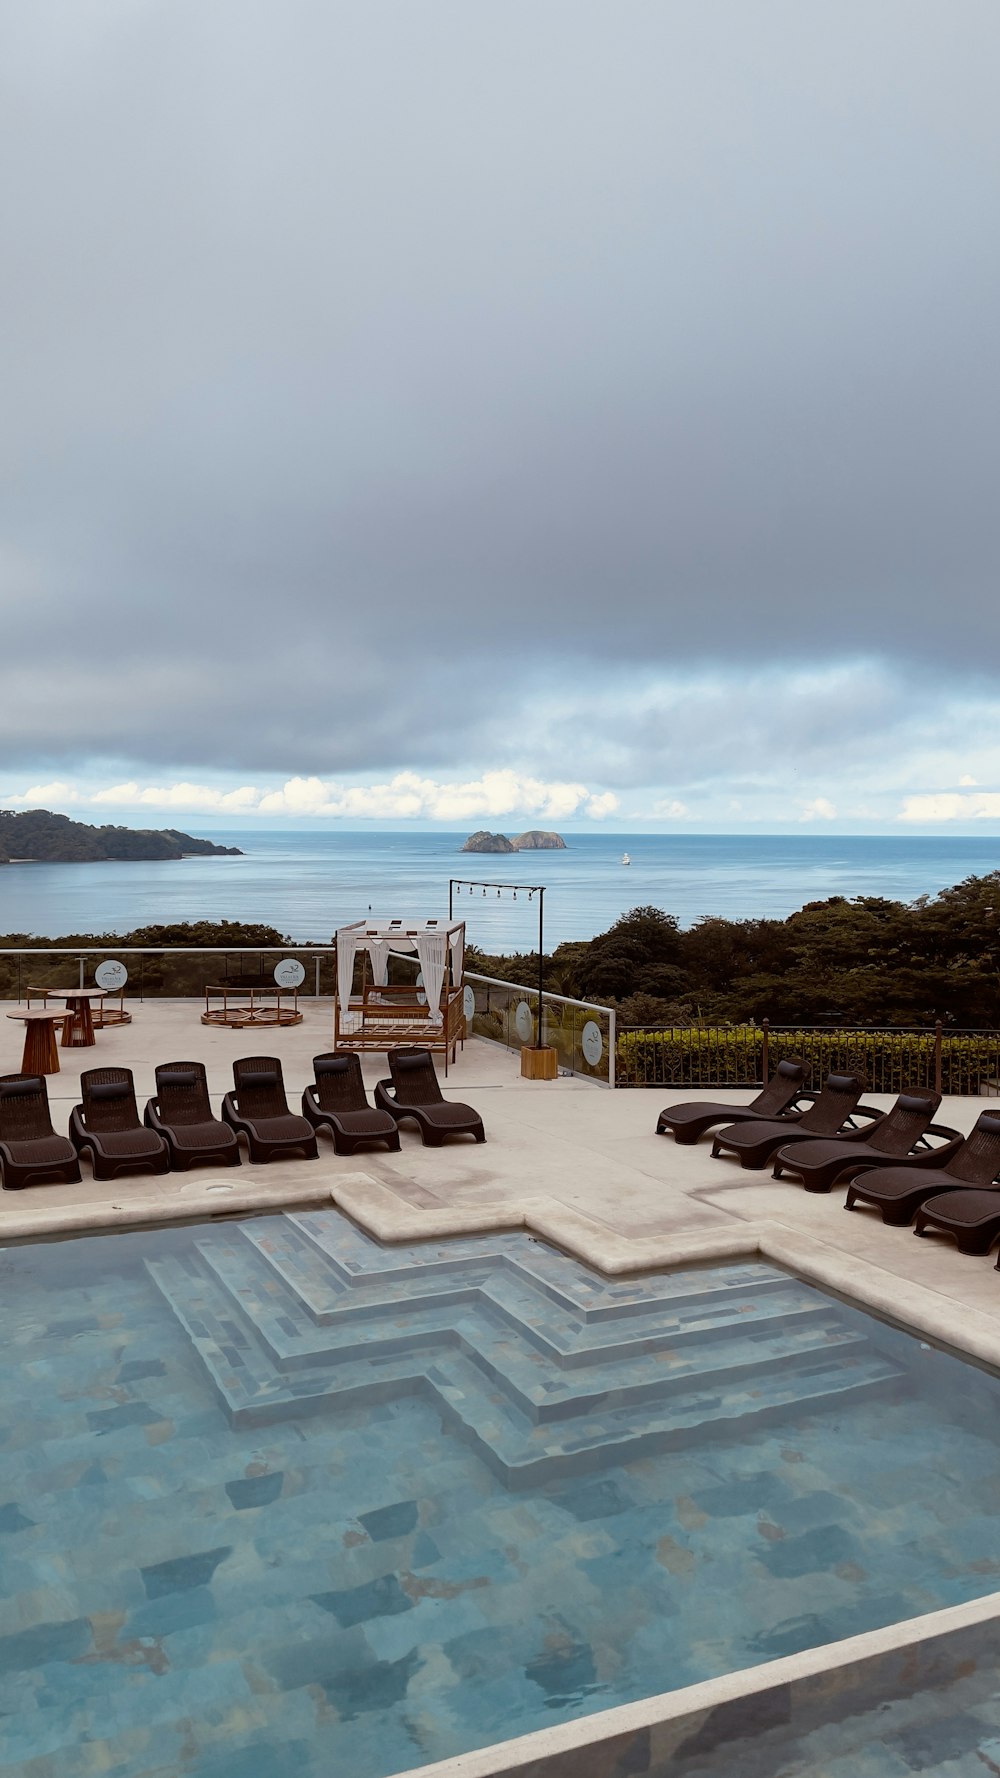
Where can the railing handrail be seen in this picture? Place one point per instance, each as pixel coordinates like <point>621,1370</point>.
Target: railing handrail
<point>153,950</point>
<point>495,981</point>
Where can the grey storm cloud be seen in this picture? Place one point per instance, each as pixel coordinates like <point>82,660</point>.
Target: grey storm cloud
<point>367,367</point>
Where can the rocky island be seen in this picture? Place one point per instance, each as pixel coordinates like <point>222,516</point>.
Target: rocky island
<point>535,840</point>
<point>39,836</point>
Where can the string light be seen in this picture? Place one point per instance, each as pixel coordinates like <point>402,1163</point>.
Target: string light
<point>498,895</point>
<point>515,894</point>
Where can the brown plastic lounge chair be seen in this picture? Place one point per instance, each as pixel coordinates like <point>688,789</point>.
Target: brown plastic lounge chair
<point>30,1151</point>
<point>108,1123</point>
<point>413,1092</point>
<point>337,1101</point>
<point>258,1109</point>
<point>829,1111</point>
<point>898,1193</point>
<point>973,1217</point>
<point>181,1112</point>
<point>901,1133</point>
<point>688,1121</point>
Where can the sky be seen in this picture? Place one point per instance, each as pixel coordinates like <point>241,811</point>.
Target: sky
<point>541,412</point>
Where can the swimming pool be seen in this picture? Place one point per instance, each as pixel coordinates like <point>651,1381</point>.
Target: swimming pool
<point>274,1498</point>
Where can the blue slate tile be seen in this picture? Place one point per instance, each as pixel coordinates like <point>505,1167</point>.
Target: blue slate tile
<point>821,1548</point>
<point>383,1597</point>
<point>13,1519</point>
<point>257,1490</point>
<point>43,1644</point>
<point>182,1572</point>
<point>390,1521</point>
<point>374,1687</point>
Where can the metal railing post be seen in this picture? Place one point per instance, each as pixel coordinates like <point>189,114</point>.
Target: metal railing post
<point>766,1054</point>
<point>612,1046</point>
<point>937,1056</point>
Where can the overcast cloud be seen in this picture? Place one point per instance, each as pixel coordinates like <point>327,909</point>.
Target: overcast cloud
<point>597,402</point>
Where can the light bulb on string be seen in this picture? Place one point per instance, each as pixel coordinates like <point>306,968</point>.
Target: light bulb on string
<point>515,894</point>
<point>498,895</point>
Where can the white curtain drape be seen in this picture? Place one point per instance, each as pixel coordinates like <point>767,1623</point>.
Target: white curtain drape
<point>432,949</point>
<point>378,951</point>
<point>457,943</point>
<point>347,946</point>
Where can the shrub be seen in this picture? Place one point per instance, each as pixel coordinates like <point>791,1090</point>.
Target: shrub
<point>733,1056</point>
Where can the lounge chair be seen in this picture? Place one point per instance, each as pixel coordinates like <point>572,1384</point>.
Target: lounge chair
<point>257,1108</point>
<point>108,1123</point>
<point>898,1193</point>
<point>971,1216</point>
<point>336,1101</point>
<point>687,1121</point>
<point>820,1165</point>
<point>413,1092</point>
<point>181,1112</point>
<point>30,1151</point>
<point>829,1111</point>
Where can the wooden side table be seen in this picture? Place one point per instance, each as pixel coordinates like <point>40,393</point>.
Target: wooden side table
<point>40,1053</point>
<point>78,1024</point>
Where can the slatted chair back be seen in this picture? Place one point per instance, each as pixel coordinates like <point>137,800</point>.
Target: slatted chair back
<point>24,1108</point>
<point>904,1125</point>
<point>838,1099</point>
<point>260,1087</point>
<point>413,1076</point>
<point>340,1084</point>
<point>182,1094</point>
<point>108,1096</point>
<point>978,1160</point>
<point>783,1087</point>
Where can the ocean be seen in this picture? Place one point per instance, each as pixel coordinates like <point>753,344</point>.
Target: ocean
<point>308,883</point>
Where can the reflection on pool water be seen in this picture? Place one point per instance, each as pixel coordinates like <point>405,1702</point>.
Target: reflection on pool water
<point>277,1500</point>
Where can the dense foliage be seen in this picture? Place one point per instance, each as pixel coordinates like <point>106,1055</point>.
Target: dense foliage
<point>55,839</point>
<point>863,961</point>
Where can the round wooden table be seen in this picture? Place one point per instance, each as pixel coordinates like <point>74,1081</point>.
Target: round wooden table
<point>40,1053</point>
<point>78,1024</point>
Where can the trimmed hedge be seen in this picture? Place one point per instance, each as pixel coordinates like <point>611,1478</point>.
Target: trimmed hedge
<point>733,1056</point>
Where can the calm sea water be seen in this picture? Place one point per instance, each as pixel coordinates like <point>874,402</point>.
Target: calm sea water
<point>309,883</point>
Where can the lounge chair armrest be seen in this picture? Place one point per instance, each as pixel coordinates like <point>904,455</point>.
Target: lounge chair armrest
<point>951,1142</point>
<point>78,1132</point>
<point>151,1116</point>
<point>309,1093</point>
<point>869,1111</point>
<point>230,1108</point>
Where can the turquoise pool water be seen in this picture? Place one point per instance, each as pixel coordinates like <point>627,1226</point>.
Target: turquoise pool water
<point>276,1500</point>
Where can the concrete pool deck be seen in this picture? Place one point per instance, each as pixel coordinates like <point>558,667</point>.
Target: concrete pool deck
<point>582,1167</point>
<point>571,1160</point>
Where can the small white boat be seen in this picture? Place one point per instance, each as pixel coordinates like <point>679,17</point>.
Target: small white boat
<point>625,858</point>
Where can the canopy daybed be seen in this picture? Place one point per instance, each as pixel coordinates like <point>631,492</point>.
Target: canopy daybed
<point>375,1016</point>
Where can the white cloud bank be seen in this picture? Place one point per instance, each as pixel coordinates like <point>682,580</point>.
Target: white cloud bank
<point>492,796</point>
<point>951,806</point>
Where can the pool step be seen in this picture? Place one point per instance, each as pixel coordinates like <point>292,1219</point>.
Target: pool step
<point>506,1299</point>
<point>529,1425</point>
<point>333,1266</point>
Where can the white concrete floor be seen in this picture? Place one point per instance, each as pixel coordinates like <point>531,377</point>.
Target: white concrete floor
<point>572,1160</point>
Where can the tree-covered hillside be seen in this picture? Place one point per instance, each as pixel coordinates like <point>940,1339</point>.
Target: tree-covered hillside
<point>55,839</point>
<point>863,961</point>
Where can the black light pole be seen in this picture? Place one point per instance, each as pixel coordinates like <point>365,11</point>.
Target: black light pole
<point>527,888</point>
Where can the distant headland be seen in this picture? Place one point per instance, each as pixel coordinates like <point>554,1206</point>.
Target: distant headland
<point>38,836</point>
<point>535,840</point>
